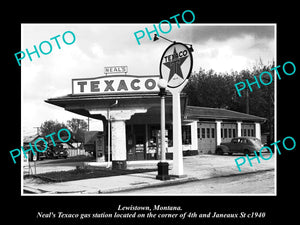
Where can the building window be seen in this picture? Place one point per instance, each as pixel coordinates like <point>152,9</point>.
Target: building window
<point>252,132</point>
<point>245,132</point>
<point>203,132</point>
<point>221,132</point>
<point>225,133</point>
<point>249,132</point>
<point>212,132</point>
<point>233,133</point>
<point>186,135</point>
<point>208,132</point>
<point>198,132</point>
<point>229,133</point>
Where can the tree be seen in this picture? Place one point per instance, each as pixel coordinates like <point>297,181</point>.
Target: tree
<point>217,90</point>
<point>209,89</point>
<point>77,127</point>
<point>51,126</point>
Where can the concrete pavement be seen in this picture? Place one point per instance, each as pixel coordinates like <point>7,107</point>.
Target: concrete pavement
<point>196,168</point>
<point>262,183</point>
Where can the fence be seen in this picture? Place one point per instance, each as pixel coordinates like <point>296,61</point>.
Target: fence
<point>76,152</point>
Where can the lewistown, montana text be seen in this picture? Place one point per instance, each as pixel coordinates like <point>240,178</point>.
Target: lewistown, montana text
<point>148,208</point>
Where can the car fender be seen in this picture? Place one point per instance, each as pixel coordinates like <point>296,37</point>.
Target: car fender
<point>223,147</point>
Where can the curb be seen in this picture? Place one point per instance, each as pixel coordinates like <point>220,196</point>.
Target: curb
<point>31,190</point>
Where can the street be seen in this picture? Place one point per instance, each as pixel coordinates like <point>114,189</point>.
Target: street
<point>251,183</point>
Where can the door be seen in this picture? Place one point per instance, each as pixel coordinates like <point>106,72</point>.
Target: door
<point>206,137</point>
<point>130,143</point>
<point>228,131</point>
<point>136,139</point>
<point>140,141</point>
<point>248,130</point>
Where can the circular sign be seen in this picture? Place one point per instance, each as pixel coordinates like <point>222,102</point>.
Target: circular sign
<point>176,64</point>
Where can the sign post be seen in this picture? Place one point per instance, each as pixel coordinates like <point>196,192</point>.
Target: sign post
<point>162,166</point>
<point>175,67</point>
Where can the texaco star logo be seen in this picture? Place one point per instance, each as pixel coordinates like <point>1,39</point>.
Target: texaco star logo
<point>176,64</point>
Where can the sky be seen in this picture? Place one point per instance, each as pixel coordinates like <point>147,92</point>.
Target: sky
<point>223,48</point>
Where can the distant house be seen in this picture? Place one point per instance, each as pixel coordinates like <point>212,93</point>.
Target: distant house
<point>31,139</point>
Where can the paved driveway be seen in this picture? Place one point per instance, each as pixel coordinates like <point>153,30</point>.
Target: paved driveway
<point>222,165</point>
<point>196,168</point>
<point>198,165</point>
<point>250,183</point>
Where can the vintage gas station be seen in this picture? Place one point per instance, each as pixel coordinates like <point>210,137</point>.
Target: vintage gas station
<point>136,109</point>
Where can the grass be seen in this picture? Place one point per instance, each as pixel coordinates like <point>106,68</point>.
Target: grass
<point>79,158</point>
<point>85,173</point>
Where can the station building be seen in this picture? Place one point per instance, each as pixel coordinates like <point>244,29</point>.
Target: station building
<point>129,106</point>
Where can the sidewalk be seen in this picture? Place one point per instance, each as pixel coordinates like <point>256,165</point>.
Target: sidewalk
<point>195,167</point>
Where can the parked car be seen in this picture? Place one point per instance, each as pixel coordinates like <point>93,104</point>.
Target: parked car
<point>56,152</point>
<point>42,155</point>
<point>246,145</point>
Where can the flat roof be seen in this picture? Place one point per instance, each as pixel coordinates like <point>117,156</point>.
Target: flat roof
<point>196,113</point>
<point>78,103</point>
<point>81,104</point>
<point>74,98</point>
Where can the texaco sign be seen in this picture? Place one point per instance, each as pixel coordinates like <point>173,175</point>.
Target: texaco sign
<point>176,64</point>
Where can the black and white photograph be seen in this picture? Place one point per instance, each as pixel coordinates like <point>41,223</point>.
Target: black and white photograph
<point>96,101</point>
<point>140,113</point>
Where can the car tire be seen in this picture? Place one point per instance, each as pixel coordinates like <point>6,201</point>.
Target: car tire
<point>246,152</point>
<point>219,151</point>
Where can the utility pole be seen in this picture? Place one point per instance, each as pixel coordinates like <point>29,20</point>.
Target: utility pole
<point>247,101</point>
